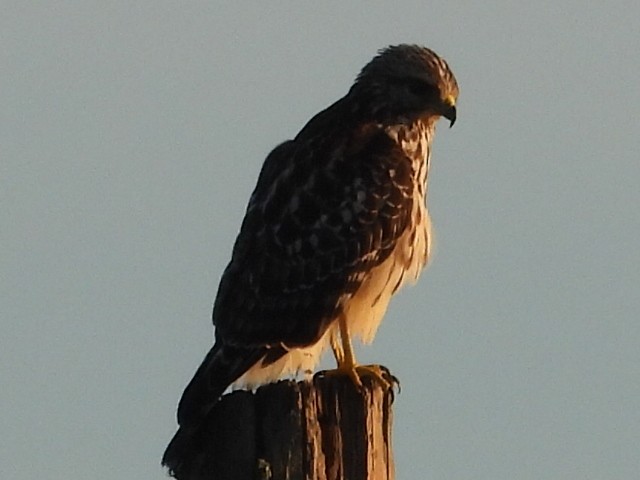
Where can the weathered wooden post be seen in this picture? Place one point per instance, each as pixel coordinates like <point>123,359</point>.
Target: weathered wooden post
<point>324,429</point>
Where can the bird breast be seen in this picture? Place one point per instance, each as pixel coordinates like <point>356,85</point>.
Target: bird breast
<point>365,310</point>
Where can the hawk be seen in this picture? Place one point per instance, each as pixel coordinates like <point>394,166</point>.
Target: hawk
<point>337,223</point>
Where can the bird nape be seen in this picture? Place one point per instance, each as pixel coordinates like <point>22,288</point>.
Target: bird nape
<point>337,223</point>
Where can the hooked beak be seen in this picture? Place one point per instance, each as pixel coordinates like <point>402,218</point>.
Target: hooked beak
<point>450,114</point>
<point>449,111</point>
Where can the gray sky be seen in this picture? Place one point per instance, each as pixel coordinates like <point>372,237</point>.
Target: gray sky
<point>131,137</point>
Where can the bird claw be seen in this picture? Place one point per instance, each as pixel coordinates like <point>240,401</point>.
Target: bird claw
<point>356,373</point>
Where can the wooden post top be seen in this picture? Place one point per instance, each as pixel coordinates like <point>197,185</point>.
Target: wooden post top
<point>322,429</point>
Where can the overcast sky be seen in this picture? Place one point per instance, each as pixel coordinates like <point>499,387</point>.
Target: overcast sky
<point>132,133</point>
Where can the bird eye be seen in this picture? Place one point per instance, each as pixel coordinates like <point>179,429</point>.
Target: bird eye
<point>421,88</point>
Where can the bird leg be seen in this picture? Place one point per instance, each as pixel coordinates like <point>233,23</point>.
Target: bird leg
<point>338,353</point>
<point>346,360</point>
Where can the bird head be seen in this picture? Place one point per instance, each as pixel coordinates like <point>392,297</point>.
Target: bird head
<point>404,83</point>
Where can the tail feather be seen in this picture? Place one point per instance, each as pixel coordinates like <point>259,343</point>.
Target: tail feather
<point>220,368</point>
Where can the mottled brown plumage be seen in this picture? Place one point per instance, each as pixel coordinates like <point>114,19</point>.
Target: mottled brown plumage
<point>336,224</point>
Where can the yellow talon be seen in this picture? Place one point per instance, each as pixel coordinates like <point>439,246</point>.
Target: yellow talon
<point>347,365</point>
<point>357,373</point>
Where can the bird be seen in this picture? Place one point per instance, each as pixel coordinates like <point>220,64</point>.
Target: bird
<point>336,224</point>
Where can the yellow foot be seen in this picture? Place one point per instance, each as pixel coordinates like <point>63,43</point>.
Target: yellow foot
<point>356,373</point>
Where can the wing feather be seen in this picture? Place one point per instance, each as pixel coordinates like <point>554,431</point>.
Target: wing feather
<point>328,207</point>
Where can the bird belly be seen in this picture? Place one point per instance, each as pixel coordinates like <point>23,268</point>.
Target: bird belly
<point>365,310</point>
